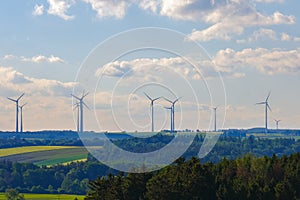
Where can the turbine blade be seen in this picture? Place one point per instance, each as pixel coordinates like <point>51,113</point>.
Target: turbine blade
<point>148,96</point>
<point>177,100</point>
<point>268,96</point>
<point>20,96</point>
<point>167,100</point>
<point>11,99</point>
<point>85,105</point>
<point>260,103</point>
<point>156,98</point>
<point>22,105</point>
<point>269,107</point>
<point>75,97</point>
<point>84,95</point>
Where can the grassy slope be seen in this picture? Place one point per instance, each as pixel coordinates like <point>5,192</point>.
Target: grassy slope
<point>47,196</point>
<point>42,155</point>
<point>28,149</point>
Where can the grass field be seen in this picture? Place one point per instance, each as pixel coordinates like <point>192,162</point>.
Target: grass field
<point>44,155</point>
<point>47,196</point>
<point>29,149</point>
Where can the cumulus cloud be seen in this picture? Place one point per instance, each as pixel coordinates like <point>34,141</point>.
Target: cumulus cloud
<point>228,62</point>
<point>287,37</point>
<point>113,8</point>
<point>274,61</point>
<point>234,21</point>
<point>148,66</point>
<point>41,58</point>
<point>38,10</point>
<point>60,8</point>
<point>35,59</point>
<point>14,81</point>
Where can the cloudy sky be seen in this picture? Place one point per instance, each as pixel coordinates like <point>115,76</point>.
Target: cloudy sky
<point>225,53</point>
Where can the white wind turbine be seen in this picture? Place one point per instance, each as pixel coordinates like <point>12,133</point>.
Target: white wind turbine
<point>152,109</point>
<point>267,107</point>
<point>173,112</point>
<point>17,110</point>
<point>277,122</point>
<point>81,104</point>
<point>21,115</point>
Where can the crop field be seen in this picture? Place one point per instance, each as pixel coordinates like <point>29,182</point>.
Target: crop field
<point>44,155</point>
<point>28,149</point>
<point>47,196</point>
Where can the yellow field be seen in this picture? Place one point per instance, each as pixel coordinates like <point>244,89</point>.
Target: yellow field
<point>29,149</point>
<point>47,196</point>
<point>79,160</point>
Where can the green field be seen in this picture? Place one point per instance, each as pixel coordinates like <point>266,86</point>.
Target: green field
<point>44,155</point>
<point>29,149</point>
<point>47,196</point>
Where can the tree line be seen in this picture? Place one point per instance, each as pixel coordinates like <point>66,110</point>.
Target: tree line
<point>247,177</point>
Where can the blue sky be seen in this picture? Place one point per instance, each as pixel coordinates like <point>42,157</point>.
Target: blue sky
<point>254,45</point>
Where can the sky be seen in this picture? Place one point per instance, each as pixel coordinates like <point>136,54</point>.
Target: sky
<point>220,53</point>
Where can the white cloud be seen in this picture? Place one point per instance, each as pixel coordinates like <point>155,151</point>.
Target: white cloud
<point>287,37</point>
<point>227,27</point>
<point>12,81</point>
<point>41,58</point>
<point>113,8</point>
<point>38,10</point>
<point>35,59</point>
<point>274,61</point>
<point>60,8</point>
<point>270,1</point>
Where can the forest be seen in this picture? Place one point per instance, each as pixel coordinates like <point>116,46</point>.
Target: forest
<point>247,177</point>
<point>226,157</point>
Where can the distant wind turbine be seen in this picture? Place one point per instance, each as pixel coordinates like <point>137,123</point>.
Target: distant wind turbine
<point>173,113</point>
<point>277,123</point>
<point>81,104</point>
<point>152,109</point>
<point>215,118</point>
<point>17,110</point>
<point>21,115</point>
<point>267,107</point>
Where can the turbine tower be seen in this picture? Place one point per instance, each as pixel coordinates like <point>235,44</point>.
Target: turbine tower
<point>81,104</point>
<point>277,123</point>
<point>173,113</point>
<point>215,118</point>
<point>76,105</point>
<point>171,116</point>
<point>21,115</point>
<point>152,109</point>
<point>17,110</point>
<point>267,107</point>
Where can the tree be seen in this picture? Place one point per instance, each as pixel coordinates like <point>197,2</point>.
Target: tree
<point>13,194</point>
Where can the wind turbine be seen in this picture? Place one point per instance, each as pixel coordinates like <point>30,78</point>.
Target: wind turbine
<point>277,123</point>
<point>215,117</point>
<point>173,113</point>
<point>21,114</point>
<point>152,109</point>
<point>81,104</point>
<point>267,106</point>
<point>17,110</point>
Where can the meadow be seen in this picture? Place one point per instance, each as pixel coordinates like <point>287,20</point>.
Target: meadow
<point>44,155</point>
<point>47,196</point>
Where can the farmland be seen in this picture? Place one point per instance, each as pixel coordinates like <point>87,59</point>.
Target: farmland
<point>44,155</point>
<point>47,196</point>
